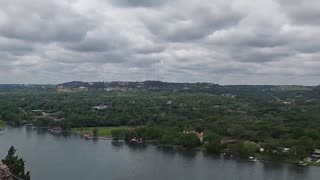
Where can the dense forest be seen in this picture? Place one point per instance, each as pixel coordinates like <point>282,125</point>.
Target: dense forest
<point>273,117</point>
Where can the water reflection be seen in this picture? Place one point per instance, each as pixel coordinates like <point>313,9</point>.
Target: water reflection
<point>273,170</point>
<point>166,150</point>
<point>211,156</point>
<point>299,172</point>
<point>188,154</point>
<point>66,134</point>
<point>29,132</point>
<point>117,144</point>
<point>41,131</point>
<point>136,147</point>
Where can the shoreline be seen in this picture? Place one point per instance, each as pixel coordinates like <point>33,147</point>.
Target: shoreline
<point>180,148</point>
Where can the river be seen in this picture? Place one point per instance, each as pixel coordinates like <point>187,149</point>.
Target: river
<point>69,157</point>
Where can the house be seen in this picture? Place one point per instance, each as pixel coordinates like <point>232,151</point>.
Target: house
<point>136,140</point>
<point>87,136</point>
<point>37,110</point>
<point>55,130</point>
<point>102,107</point>
<point>285,150</point>
<point>286,102</point>
<point>229,141</point>
<point>281,150</point>
<point>83,88</point>
<point>316,155</point>
<point>58,119</point>
<point>199,135</point>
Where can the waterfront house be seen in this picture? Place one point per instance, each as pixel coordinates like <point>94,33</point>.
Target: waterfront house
<point>55,130</point>
<point>136,140</point>
<point>315,156</point>
<point>87,136</point>
<point>199,135</point>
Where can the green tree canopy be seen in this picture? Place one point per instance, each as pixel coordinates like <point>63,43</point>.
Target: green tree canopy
<point>95,132</point>
<point>212,143</point>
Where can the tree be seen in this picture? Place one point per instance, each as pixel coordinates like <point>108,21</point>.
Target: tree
<point>236,131</point>
<point>170,137</point>
<point>118,134</point>
<point>212,143</point>
<point>1,124</point>
<point>95,132</point>
<point>244,149</point>
<point>188,140</point>
<point>16,165</point>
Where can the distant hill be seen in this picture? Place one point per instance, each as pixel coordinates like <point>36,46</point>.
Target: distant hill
<point>145,85</point>
<point>74,84</point>
<point>261,91</point>
<point>7,87</point>
<point>14,87</point>
<point>159,85</point>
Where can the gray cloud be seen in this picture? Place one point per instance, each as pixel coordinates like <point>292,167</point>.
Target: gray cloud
<point>193,22</point>
<point>302,11</point>
<point>38,20</point>
<point>139,3</point>
<point>14,45</point>
<point>239,41</point>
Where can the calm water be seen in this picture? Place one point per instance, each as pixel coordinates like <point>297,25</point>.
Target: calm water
<point>51,157</point>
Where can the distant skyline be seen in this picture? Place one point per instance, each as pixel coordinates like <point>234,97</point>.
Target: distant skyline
<point>217,41</point>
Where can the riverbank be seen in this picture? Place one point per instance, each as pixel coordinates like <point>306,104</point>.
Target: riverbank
<point>103,131</point>
<point>107,136</point>
<point>291,161</point>
<point>1,124</point>
<point>184,141</point>
<point>312,163</point>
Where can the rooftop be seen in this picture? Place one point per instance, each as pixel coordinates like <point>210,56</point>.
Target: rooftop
<point>316,151</point>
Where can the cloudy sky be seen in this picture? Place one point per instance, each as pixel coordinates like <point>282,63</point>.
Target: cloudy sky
<point>219,41</point>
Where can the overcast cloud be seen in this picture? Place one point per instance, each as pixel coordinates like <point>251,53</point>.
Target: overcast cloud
<point>219,41</point>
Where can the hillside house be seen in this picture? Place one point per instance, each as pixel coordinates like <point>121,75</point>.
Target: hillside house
<point>102,107</point>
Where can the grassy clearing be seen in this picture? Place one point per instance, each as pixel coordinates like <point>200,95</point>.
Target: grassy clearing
<point>312,163</point>
<point>103,131</point>
<point>1,123</point>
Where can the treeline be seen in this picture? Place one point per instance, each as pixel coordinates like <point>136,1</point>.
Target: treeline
<point>165,136</point>
<point>269,116</point>
<point>285,148</point>
<point>171,109</point>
